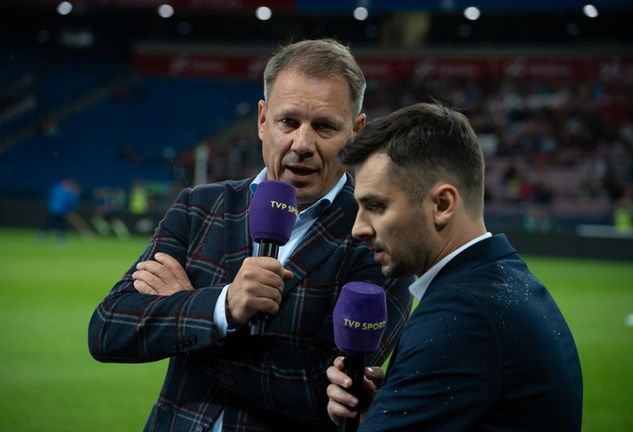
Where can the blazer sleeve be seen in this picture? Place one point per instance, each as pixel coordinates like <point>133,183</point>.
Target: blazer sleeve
<point>128,326</point>
<point>446,371</point>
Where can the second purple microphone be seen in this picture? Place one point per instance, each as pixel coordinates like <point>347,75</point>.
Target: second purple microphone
<point>360,319</point>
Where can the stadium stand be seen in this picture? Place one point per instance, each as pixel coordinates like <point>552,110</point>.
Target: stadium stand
<point>134,130</point>
<point>152,98</point>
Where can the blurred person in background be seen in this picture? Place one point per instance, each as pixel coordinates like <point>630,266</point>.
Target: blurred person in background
<point>623,214</point>
<point>192,292</point>
<point>487,347</point>
<point>139,198</point>
<point>62,200</point>
<point>108,204</point>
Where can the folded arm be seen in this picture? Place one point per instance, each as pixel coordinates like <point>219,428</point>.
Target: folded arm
<point>131,326</point>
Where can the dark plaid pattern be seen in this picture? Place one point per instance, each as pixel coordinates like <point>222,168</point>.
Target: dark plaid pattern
<point>276,383</point>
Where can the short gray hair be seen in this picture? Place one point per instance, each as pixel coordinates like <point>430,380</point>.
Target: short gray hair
<point>318,58</point>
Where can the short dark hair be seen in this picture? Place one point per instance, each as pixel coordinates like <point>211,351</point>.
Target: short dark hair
<point>426,142</point>
<point>318,58</point>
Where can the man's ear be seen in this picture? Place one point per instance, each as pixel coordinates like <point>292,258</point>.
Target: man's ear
<point>444,197</point>
<point>359,123</point>
<point>261,118</point>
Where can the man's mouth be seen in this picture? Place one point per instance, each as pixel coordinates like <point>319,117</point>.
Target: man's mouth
<point>301,171</point>
<point>378,253</point>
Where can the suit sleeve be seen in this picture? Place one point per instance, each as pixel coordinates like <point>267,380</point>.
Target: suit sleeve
<point>128,326</point>
<point>446,372</point>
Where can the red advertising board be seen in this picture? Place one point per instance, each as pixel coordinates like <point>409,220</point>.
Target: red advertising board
<point>244,65</point>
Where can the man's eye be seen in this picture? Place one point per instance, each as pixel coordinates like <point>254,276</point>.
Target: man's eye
<point>375,208</point>
<point>289,122</point>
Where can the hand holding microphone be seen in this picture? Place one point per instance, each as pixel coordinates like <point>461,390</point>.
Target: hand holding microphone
<point>360,318</point>
<point>258,286</point>
<point>341,403</point>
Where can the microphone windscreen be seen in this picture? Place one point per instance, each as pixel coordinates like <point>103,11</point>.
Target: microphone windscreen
<point>273,212</point>
<point>360,318</point>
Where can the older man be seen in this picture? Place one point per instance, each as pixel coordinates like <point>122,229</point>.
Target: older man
<point>192,291</point>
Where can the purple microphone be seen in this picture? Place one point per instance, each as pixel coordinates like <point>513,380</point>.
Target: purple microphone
<point>360,318</point>
<point>272,216</point>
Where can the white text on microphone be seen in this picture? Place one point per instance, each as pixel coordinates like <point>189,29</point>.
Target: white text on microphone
<point>364,325</point>
<point>284,206</point>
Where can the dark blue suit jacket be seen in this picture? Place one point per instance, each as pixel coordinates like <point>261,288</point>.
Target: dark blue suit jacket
<point>487,349</point>
<point>274,384</point>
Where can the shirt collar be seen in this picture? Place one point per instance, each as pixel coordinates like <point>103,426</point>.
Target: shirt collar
<point>419,287</point>
<point>317,208</point>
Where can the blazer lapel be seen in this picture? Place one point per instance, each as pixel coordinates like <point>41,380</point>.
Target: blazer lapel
<point>324,236</point>
<point>236,231</point>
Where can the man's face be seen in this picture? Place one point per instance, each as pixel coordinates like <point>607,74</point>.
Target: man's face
<point>302,126</point>
<point>393,225</point>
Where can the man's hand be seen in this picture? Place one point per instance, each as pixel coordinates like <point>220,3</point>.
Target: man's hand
<point>164,277</point>
<point>343,404</point>
<point>258,287</point>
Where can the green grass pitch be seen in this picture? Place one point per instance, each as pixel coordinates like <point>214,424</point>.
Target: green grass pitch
<point>49,382</point>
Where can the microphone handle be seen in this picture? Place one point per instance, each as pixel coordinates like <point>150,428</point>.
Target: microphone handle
<point>355,369</point>
<point>257,324</point>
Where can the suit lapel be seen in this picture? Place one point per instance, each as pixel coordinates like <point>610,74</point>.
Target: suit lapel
<point>236,231</point>
<point>324,236</point>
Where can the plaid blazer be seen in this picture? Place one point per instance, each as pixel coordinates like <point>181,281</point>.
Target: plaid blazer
<point>274,383</point>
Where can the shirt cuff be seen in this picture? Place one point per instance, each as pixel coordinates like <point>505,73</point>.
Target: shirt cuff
<point>219,314</point>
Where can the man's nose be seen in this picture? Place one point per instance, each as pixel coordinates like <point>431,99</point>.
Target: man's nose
<point>304,140</point>
<point>361,229</point>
